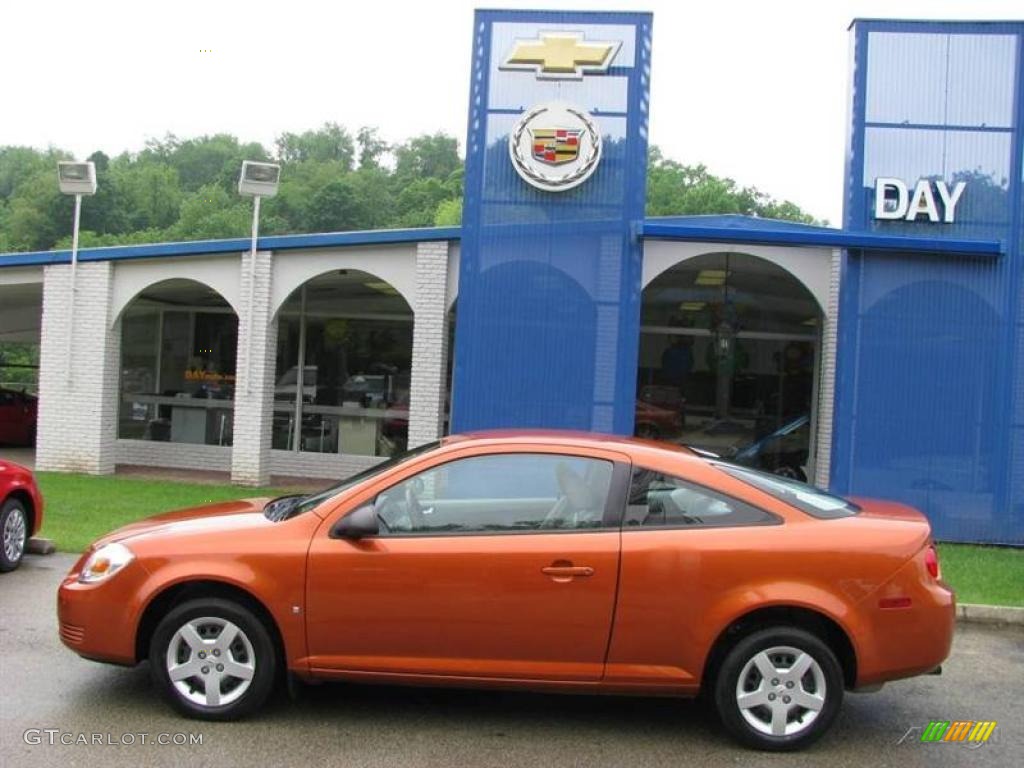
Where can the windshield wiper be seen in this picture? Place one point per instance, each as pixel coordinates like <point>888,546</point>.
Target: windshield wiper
<point>281,508</point>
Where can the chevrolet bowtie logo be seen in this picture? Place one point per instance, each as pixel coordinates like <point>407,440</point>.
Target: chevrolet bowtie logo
<point>562,55</point>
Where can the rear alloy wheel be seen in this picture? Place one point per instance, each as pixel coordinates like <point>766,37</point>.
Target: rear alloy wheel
<point>779,689</point>
<point>213,659</point>
<point>14,534</point>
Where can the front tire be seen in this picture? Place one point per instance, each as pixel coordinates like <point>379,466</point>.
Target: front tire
<point>779,689</point>
<point>213,659</point>
<point>13,534</point>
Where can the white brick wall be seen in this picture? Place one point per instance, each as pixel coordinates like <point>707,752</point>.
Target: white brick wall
<point>254,386</point>
<point>827,387</point>
<point>78,422</point>
<point>323,465</point>
<point>78,396</point>
<point>152,453</point>
<point>429,344</point>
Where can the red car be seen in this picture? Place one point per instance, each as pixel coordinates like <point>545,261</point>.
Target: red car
<point>21,512</point>
<point>18,412</point>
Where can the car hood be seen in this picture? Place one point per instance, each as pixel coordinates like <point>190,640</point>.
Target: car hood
<point>209,518</point>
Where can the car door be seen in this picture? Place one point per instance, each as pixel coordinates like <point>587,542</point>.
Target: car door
<point>500,564</point>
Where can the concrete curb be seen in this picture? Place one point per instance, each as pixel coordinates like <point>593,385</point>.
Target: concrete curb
<point>36,546</point>
<point>973,613</point>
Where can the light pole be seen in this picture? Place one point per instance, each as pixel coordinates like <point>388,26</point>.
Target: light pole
<point>75,179</point>
<point>258,180</point>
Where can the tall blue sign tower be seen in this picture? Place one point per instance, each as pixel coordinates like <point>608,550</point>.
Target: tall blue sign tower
<point>930,377</point>
<point>549,284</point>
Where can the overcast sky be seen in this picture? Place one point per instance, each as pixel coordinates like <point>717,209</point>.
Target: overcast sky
<point>755,90</point>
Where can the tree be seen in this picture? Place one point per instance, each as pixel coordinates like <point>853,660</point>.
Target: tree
<point>435,156</point>
<point>674,189</point>
<point>211,212</point>
<point>186,189</point>
<point>448,213</point>
<point>336,207</point>
<point>371,148</point>
<point>330,143</point>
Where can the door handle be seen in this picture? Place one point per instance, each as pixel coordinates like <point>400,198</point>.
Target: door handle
<point>566,572</point>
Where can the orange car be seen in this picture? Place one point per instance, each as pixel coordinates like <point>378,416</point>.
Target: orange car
<point>550,561</point>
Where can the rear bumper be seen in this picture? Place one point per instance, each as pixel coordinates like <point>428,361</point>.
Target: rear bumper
<point>911,640</point>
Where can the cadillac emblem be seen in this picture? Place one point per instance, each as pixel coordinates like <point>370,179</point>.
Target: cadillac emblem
<point>555,146</point>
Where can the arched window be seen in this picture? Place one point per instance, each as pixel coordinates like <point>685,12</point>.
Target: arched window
<point>179,343</point>
<point>344,361</point>
<point>729,359</point>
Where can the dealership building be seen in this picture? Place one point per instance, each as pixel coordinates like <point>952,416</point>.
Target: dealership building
<point>884,358</point>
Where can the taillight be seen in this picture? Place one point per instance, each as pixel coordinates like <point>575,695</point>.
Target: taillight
<point>931,561</point>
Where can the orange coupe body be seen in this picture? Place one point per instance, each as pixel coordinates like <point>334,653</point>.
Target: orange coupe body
<point>557,561</point>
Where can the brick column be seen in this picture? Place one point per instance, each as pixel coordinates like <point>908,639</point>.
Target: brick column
<point>429,344</point>
<point>77,429</point>
<point>254,386</point>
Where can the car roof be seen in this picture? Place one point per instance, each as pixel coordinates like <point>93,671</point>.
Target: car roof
<point>634,446</point>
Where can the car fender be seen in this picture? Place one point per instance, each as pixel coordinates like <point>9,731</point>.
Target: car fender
<point>747,598</point>
<point>236,575</point>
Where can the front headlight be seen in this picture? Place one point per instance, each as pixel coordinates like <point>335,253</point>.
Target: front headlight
<point>105,562</point>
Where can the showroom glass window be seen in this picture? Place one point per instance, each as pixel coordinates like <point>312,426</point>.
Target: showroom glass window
<point>505,493</point>
<point>344,357</point>
<point>729,360</point>
<point>179,343</point>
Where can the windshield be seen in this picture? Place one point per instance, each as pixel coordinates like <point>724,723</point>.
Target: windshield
<point>807,498</point>
<point>304,504</point>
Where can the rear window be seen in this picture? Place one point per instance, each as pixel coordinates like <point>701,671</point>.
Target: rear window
<point>807,498</point>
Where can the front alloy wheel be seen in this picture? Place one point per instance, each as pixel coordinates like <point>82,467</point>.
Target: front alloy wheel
<point>213,659</point>
<point>779,689</point>
<point>14,532</point>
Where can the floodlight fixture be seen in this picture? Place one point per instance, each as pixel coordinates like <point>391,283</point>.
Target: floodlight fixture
<point>76,178</point>
<point>259,179</point>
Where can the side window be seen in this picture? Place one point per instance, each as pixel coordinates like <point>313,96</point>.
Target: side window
<point>660,500</point>
<point>499,493</point>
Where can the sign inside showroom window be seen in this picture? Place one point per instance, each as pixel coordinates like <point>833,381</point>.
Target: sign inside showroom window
<point>930,199</point>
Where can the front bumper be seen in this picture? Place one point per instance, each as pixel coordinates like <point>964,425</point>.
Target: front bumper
<point>98,621</point>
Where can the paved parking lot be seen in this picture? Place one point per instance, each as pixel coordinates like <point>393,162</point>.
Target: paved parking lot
<point>45,686</point>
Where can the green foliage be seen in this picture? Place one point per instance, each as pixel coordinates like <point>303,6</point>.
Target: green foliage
<point>674,189</point>
<point>19,363</point>
<point>449,213</point>
<point>186,189</point>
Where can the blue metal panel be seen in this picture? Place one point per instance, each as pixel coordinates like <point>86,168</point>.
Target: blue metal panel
<point>549,283</point>
<point>930,350</point>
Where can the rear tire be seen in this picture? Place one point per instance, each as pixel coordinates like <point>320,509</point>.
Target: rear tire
<point>14,528</point>
<point>213,659</point>
<point>778,689</point>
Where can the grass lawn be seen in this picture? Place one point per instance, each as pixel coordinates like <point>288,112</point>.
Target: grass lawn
<point>990,575</point>
<point>81,508</point>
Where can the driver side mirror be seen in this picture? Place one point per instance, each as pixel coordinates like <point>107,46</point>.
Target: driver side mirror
<point>357,524</point>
